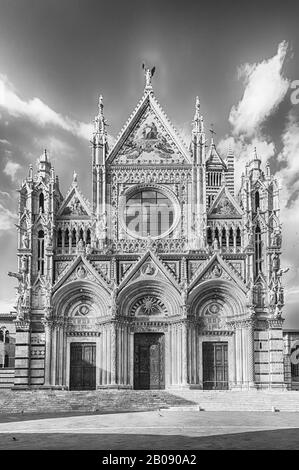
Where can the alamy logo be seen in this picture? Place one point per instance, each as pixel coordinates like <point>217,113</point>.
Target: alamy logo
<point>295,93</point>
<point>295,353</point>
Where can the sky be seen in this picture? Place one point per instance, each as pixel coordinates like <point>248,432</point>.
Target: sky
<point>57,57</point>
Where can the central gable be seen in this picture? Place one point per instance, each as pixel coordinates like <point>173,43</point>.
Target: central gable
<point>148,138</point>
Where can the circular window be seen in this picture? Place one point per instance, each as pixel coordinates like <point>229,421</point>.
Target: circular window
<point>149,212</point>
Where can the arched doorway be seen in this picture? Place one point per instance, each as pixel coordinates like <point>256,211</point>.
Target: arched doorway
<point>222,348</point>
<point>150,305</point>
<point>76,339</point>
<point>149,361</point>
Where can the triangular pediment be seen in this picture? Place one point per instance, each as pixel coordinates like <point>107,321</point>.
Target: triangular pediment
<point>74,205</point>
<point>213,159</point>
<point>149,268</point>
<point>225,206</point>
<point>216,268</point>
<point>149,138</point>
<point>80,270</point>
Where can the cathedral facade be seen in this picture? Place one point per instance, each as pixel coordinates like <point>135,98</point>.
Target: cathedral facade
<point>165,279</point>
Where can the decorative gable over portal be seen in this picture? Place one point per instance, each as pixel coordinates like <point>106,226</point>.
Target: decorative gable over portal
<point>149,138</point>
<point>74,205</point>
<point>225,205</point>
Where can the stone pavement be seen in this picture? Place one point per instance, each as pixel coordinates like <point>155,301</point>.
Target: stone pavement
<point>154,430</point>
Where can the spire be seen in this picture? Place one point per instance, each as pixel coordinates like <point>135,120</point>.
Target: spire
<point>198,125</point>
<point>44,156</point>
<point>43,164</point>
<point>100,121</point>
<point>197,120</point>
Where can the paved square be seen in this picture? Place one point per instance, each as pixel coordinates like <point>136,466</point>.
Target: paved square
<point>152,430</point>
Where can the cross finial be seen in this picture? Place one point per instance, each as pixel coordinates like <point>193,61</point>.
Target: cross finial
<point>101,105</point>
<point>212,131</point>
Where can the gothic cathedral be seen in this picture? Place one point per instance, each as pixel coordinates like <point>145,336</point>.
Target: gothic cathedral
<point>166,279</point>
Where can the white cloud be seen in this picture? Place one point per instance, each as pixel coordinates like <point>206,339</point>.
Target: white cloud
<point>289,158</point>
<point>39,112</point>
<point>265,88</point>
<point>11,169</point>
<point>7,219</point>
<point>244,152</point>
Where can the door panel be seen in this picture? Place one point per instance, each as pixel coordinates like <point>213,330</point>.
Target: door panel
<point>83,366</point>
<point>149,361</point>
<point>215,365</point>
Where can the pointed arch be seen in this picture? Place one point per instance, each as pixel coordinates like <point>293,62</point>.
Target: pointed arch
<point>232,297</point>
<point>41,202</point>
<point>40,251</point>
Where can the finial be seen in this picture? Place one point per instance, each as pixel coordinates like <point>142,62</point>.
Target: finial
<point>101,105</point>
<point>148,74</point>
<point>100,121</point>
<point>197,108</point>
<point>212,131</point>
<point>44,156</point>
<point>202,129</point>
<point>75,179</point>
<point>197,120</point>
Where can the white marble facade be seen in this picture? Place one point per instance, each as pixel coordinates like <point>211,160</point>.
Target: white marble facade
<point>166,279</point>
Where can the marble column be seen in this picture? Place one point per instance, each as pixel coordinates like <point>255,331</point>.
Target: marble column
<point>276,363</point>
<point>184,377</point>
<point>53,355</point>
<point>22,354</point>
<point>48,340</point>
<point>250,354</point>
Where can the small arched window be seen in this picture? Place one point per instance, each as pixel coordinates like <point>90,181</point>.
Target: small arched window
<point>258,250</point>
<point>6,360</point>
<point>231,237</point>
<point>59,238</point>
<point>223,237</point>
<point>1,335</point>
<point>40,251</point>
<point>88,237</point>
<point>74,239</point>
<point>257,200</point>
<point>7,337</point>
<point>81,234</point>
<point>41,202</point>
<point>238,237</point>
<point>66,238</point>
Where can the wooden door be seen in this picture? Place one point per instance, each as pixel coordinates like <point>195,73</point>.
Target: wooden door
<point>83,366</point>
<point>149,364</point>
<point>215,365</point>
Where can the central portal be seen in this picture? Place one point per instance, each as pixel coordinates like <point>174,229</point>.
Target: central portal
<point>215,365</point>
<point>149,367</point>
